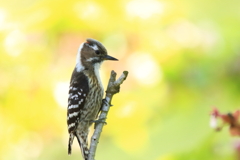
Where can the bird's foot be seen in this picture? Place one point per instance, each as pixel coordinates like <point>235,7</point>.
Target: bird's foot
<point>98,121</point>
<point>105,102</point>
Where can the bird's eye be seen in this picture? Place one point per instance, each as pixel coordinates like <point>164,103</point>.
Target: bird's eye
<point>97,52</point>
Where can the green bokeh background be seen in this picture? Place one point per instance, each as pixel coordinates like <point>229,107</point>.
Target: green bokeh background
<point>183,58</point>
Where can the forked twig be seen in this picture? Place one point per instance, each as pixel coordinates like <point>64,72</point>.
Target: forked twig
<point>112,88</point>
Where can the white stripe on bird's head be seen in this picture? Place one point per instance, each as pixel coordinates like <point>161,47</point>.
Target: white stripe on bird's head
<point>94,47</point>
<point>92,59</point>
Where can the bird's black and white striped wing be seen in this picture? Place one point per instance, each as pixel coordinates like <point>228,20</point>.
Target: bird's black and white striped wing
<point>78,92</point>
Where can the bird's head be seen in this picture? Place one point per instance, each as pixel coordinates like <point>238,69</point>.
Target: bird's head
<point>92,52</point>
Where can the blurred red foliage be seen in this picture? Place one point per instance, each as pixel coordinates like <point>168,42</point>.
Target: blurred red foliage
<point>230,119</point>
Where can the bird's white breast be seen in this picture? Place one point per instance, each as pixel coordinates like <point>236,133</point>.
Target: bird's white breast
<point>96,70</point>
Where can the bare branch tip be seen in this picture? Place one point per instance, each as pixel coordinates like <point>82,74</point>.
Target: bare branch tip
<point>125,73</point>
<point>113,76</point>
<point>113,72</point>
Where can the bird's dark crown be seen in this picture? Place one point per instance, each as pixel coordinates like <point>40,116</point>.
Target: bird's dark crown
<point>96,45</point>
<point>94,52</point>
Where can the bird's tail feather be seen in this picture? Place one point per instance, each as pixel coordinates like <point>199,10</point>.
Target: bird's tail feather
<point>83,143</point>
<point>70,141</point>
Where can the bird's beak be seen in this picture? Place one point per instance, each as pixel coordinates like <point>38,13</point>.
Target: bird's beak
<point>107,57</point>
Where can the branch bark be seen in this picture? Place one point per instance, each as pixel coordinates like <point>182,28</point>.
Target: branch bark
<point>112,88</point>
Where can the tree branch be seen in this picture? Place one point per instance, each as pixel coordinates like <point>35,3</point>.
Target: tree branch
<point>112,88</point>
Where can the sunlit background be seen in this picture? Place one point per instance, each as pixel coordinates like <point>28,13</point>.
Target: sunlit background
<point>183,58</point>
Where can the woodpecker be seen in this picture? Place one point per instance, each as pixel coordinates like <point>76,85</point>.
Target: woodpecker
<point>85,93</point>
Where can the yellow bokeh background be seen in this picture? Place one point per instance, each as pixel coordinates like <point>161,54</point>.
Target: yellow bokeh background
<point>183,58</point>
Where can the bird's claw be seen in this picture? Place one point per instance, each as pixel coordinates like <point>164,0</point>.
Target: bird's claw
<point>104,101</point>
<point>100,120</point>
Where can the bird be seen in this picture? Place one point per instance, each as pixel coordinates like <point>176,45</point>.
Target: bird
<point>85,93</point>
